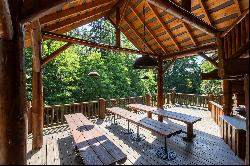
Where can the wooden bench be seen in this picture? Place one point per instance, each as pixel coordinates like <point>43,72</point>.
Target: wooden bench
<point>93,146</point>
<point>187,119</point>
<point>162,129</point>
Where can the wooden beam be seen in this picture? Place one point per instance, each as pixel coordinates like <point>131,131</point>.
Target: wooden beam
<point>118,32</point>
<point>34,10</point>
<point>133,41</point>
<point>242,51</point>
<point>55,54</point>
<point>37,89</point>
<point>78,18</point>
<point>234,67</point>
<point>205,9</point>
<point>191,52</point>
<point>53,36</point>
<point>160,87</point>
<point>170,34</point>
<point>5,18</point>
<point>186,4</point>
<point>118,4</point>
<point>212,61</point>
<point>74,10</point>
<point>139,36</point>
<point>150,31</point>
<point>246,88</point>
<point>124,10</point>
<point>237,21</point>
<point>13,110</point>
<point>184,15</point>
<point>213,75</point>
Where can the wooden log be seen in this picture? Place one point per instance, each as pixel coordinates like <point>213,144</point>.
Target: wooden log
<point>49,35</point>
<point>184,15</point>
<point>246,87</point>
<point>160,88</point>
<point>55,54</point>
<point>227,93</point>
<point>37,89</point>
<point>118,31</point>
<point>221,48</point>
<point>212,61</point>
<point>190,52</point>
<point>6,22</point>
<point>186,4</point>
<point>102,108</point>
<point>13,111</point>
<point>34,10</point>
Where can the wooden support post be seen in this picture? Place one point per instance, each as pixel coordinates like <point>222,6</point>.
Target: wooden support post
<point>148,102</point>
<point>210,98</point>
<point>227,93</point>
<point>160,89</point>
<point>118,32</point>
<point>247,118</point>
<point>102,108</point>
<point>29,109</point>
<point>37,89</point>
<point>13,112</point>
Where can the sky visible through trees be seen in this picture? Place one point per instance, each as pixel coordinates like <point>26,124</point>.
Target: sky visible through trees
<point>66,80</point>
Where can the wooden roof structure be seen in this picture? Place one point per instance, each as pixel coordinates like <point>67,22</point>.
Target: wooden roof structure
<point>166,32</point>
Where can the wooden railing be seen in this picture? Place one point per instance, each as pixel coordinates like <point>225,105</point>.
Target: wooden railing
<point>216,111</point>
<point>54,115</point>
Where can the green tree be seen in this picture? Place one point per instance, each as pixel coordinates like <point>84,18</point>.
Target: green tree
<point>209,86</point>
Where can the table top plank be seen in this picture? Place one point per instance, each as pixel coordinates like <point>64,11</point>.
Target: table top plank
<point>169,114</point>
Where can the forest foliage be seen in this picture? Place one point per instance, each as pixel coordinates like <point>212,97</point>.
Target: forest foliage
<point>66,80</point>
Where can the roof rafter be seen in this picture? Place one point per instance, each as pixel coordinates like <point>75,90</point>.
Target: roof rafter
<point>170,34</point>
<point>190,34</point>
<point>204,8</point>
<point>74,10</point>
<point>187,17</point>
<point>124,10</point>
<point>150,31</point>
<point>78,18</point>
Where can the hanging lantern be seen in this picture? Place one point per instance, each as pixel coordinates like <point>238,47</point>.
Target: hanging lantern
<point>94,74</point>
<point>145,62</point>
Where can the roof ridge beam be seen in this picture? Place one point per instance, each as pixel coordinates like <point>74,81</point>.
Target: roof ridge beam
<point>184,15</point>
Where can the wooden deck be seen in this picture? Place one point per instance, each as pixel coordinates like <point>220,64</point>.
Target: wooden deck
<point>207,148</point>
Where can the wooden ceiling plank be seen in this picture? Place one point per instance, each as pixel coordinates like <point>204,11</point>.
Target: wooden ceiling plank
<point>34,10</point>
<point>184,15</point>
<point>78,18</point>
<point>150,31</point>
<point>64,38</point>
<point>138,35</point>
<point>236,2</point>
<point>5,17</point>
<point>170,34</point>
<point>74,10</point>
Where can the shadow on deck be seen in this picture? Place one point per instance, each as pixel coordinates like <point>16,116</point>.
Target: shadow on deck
<point>206,149</point>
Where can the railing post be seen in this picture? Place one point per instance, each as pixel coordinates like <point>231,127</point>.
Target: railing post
<point>102,108</point>
<point>210,98</point>
<point>148,99</point>
<point>172,97</point>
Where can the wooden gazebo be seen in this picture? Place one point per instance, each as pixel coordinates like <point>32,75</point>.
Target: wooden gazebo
<point>174,29</point>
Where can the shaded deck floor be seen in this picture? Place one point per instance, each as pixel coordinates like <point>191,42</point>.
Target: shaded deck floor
<point>207,148</point>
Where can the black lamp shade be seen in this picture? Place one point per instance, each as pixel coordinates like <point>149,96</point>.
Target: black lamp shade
<point>145,77</point>
<point>94,74</point>
<point>145,62</point>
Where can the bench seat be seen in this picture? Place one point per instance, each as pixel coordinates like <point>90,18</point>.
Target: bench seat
<point>93,146</point>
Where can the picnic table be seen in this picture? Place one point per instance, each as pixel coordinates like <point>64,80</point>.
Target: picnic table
<point>187,119</point>
<point>162,129</point>
<point>93,145</point>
